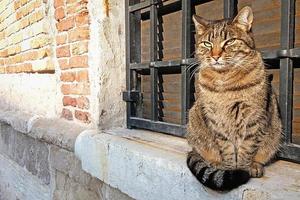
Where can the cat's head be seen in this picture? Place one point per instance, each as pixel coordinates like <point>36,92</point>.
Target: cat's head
<point>224,44</point>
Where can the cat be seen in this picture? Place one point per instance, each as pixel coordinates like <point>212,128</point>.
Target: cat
<point>234,127</point>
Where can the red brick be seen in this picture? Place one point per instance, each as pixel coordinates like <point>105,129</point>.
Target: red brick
<point>83,102</point>
<point>65,24</point>
<point>63,63</point>
<point>69,101</point>
<point>25,67</point>
<point>4,53</point>
<point>76,7</point>
<point>17,4</point>
<point>67,114</point>
<point>59,13</point>
<point>79,48</point>
<point>58,3</point>
<point>78,61</point>
<point>82,18</point>
<point>61,39</point>
<point>79,34</point>
<point>71,1</point>
<point>76,88</point>
<point>63,51</point>
<point>31,55</point>
<point>67,76</point>
<point>83,116</point>
<point>19,15</point>
<point>24,22</point>
<point>82,76</point>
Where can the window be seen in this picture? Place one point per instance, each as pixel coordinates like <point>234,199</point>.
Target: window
<point>159,56</point>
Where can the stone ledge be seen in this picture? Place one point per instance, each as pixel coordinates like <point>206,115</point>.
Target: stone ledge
<point>151,166</point>
<point>59,132</point>
<point>20,121</point>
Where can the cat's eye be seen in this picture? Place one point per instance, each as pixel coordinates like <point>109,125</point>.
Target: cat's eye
<point>207,44</point>
<point>230,41</point>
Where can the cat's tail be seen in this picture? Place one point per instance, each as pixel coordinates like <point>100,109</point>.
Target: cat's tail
<point>213,178</point>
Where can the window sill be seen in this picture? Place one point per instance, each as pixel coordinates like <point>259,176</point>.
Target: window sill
<point>148,165</point>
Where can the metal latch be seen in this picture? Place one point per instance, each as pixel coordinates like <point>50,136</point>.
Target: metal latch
<point>131,96</point>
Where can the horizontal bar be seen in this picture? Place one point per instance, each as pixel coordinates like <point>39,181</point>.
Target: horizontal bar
<point>290,152</point>
<point>139,6</point>
<point>282,53</point>
<point>267,55</point>
<point>142,5</point>
<point>159,64</point>
<point>135,66</point>
<point>294,53</point>
<point>171,7</point>
<point>173,129</point>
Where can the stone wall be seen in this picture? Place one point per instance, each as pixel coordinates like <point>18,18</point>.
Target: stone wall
<point>40,164</point>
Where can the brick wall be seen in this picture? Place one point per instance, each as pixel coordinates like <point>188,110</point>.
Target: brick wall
<point>72,23</point>
<point>49,36</point>
<point>25,42</point>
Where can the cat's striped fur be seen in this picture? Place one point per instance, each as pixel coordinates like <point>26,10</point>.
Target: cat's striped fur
<point>234,126</point>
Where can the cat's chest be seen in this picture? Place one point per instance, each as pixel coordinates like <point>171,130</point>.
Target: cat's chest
<point>228,112</point>
<point>228,115</point>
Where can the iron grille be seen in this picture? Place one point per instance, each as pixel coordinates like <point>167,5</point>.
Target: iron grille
<point>133,96</point>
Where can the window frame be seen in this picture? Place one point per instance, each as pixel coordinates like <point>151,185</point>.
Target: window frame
<point>133,95</point>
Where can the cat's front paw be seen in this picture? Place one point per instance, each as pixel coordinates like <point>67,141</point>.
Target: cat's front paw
<point>256,170</point>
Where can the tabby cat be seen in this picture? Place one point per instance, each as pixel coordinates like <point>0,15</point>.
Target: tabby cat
<point>234,126</point>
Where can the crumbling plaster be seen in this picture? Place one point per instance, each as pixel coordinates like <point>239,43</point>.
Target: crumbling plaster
<point>107,62</point>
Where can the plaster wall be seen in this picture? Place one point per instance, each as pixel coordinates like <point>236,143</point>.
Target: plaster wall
<point>107,62</point>
<point>30,93</point>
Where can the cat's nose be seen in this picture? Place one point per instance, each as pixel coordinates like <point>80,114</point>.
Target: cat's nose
<point>216,57</point>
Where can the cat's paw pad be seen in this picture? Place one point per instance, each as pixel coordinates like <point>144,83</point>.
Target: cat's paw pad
<point>256,170</point>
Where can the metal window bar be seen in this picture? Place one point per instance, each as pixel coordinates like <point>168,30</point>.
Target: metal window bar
<point>186,53</point>
<point>153,57</point>
<point>133,95</point>
<point>290,150</point>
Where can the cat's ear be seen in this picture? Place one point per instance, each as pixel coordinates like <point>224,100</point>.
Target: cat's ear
<point>200,24</point>
<point>244,19</point>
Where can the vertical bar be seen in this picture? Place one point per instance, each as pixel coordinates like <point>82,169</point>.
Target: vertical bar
<point>230,8</point>
<point>286,67</point>
<point>136,35</point>
<point>153,57</point>
<point>185,53</point>
<point>128,59</point>
<point>132,32</point>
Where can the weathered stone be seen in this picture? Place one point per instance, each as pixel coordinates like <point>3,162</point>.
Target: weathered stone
<point>61,159</point>
<point>26,151</point>
<point>18,120</point>
<point>253,194</point>
<point>113,194</point>
<point>57,131</point>
<point>60,180</point>
<point>154,168</point>
<point>68,189</point>
<point>66,162</point>
<point>17,183</point>
<point>43,164</point>
<point>45,170</point>
<point>30,158</point>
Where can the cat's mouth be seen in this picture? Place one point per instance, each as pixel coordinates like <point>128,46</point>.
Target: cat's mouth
<point>218,65</point>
